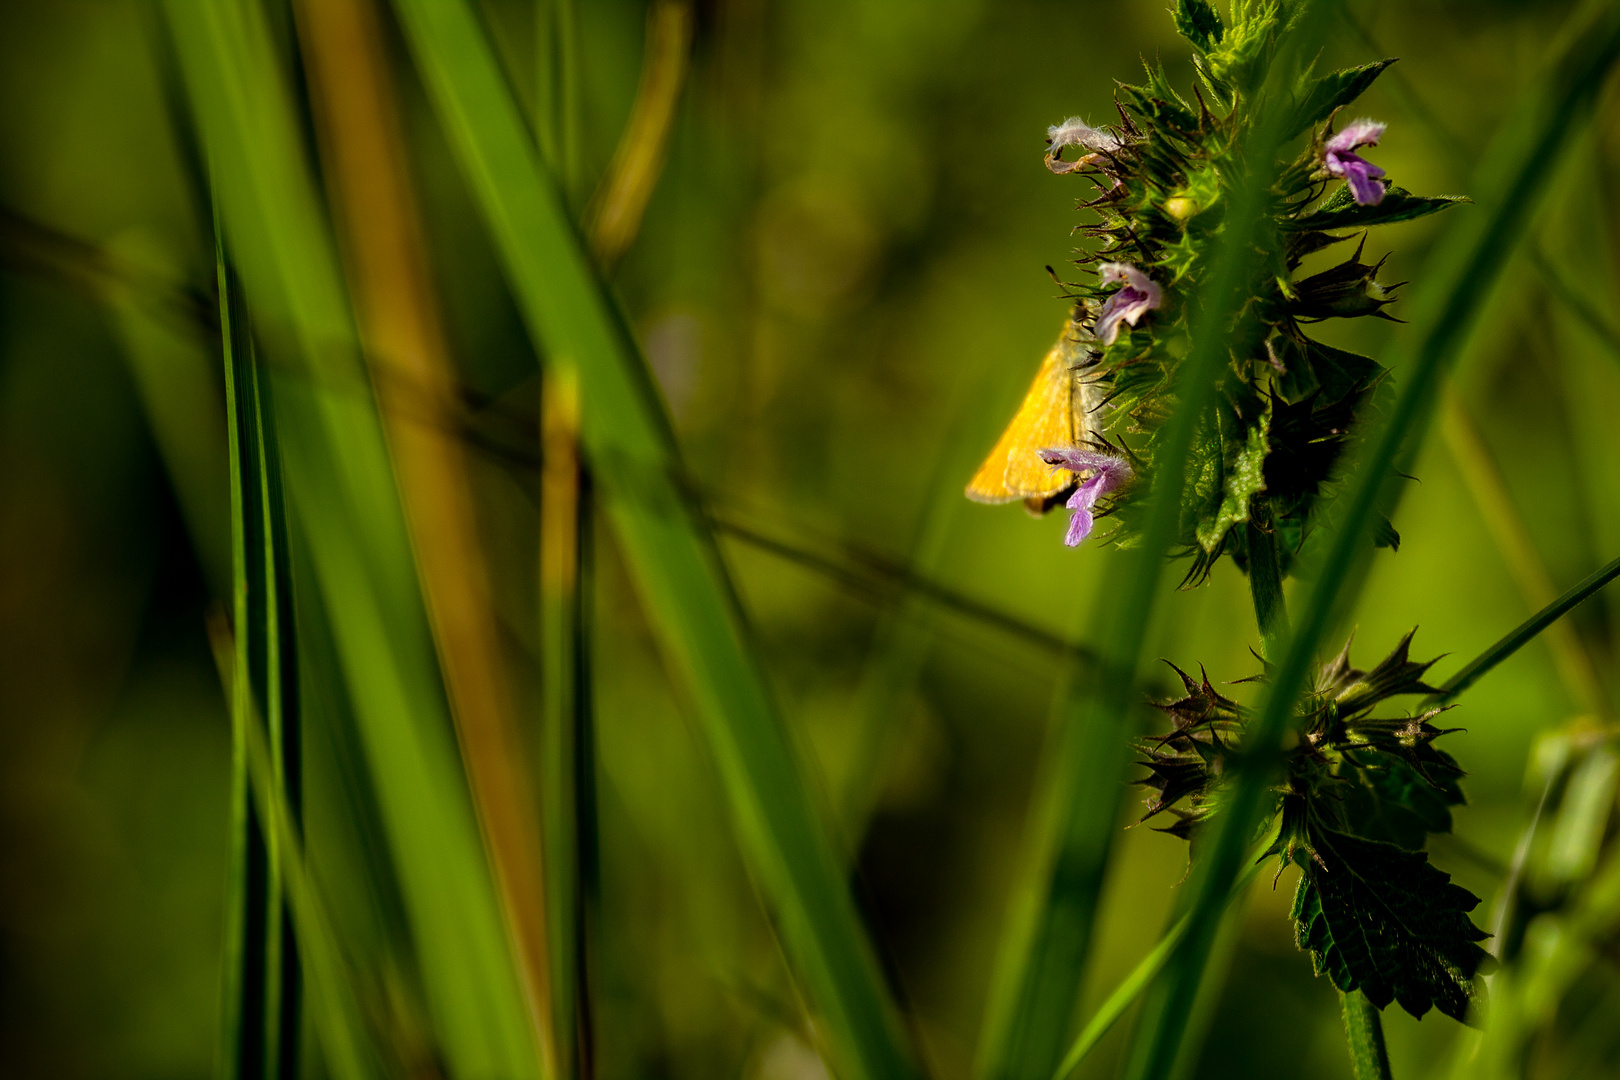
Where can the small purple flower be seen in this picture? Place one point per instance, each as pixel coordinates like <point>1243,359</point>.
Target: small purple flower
<point>1107,473</point>
<point>1340,159</point>
<point>1139,296</point>
<point>1076,132</point>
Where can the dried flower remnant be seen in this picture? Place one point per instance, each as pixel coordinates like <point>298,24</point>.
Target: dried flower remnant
<point>1139,296</point>
<point>1076,132</point>
<point>1108,473</point>
<point>1339,158</point>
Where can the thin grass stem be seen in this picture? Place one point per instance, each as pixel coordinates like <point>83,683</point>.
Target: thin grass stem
<point>1526,631</point>
<point>1484,481</point>
<point>614,216</point>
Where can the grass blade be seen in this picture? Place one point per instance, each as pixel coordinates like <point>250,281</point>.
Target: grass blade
<point>409,357</point>
<point>632,452</point>
<point>1037,982</point>
<point>343,501</point>
<point>1521,635</point>
<point>1459,277</point>
<point>565,717</point>
<point>253,1007</point>
<point>1130,988</point>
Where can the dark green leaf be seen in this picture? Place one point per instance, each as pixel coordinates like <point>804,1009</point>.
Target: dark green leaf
<point>1381,920</point>
<point>1341,211</point>
<point>1384,534</point>
<point>1387,799</point>
<point>1316,99</point>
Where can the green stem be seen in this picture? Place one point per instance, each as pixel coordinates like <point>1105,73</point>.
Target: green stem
<point>1363,1027</point>
<point>1364,1031</point>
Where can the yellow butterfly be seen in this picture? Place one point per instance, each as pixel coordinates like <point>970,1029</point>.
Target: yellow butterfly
<point>1059,411</point>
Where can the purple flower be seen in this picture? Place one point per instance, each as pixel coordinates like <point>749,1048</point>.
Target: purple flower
<point>1340,159</point>
<point>1076,132</point>
<point>1139,296</point>
<point>1107,473</point>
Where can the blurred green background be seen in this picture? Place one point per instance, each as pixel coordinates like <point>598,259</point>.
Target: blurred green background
<point>840,284</point>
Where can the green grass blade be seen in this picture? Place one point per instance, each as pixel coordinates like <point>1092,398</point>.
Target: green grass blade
<point>251,1004</point>
<point>631,450</point>
<point>1457,283</point>
<point>1522,634</point>
<point>1130,988</point>
<point>565,689</point>
<point>1037,983</point>
<point>343,500</point>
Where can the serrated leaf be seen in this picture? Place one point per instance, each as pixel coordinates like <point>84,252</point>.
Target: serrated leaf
<point>1382,920</point>
<point>1159,102</point>
<point>1316,98</point>
<point>1341,211</point>
<point>1242,477</point>
<point>1199,23</point>
<point>1388,800</point>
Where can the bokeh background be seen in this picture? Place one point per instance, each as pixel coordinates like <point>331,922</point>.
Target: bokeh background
<point>841,286</point>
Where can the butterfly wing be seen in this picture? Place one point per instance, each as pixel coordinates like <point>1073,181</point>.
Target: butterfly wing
<point>1051,416</point>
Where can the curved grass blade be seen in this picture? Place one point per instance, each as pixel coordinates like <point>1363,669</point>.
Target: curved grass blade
<point>342,495</point>
<point>1460,274</point>
<point>631,450</point>
<point>1037,982</point>
<point>617,207</point>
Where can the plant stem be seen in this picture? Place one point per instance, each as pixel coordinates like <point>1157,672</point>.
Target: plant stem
<point>1363,1028</point>
<point>1364,1032</point>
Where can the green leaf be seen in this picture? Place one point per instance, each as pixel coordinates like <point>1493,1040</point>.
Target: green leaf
<point>1243,477</point>
<point>1387,799</point>
<point>1341,211</point>
<point>1199,23</point>
<point>1316,98</point>
<point>1382,920</point>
